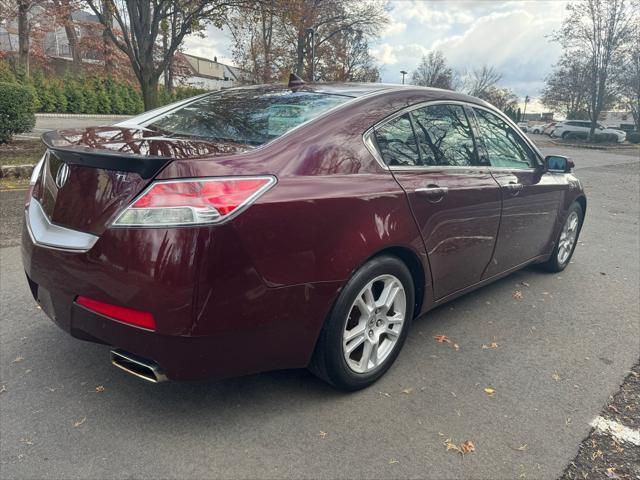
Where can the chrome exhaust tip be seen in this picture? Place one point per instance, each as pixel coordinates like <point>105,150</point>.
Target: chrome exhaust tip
<point>138,366</point>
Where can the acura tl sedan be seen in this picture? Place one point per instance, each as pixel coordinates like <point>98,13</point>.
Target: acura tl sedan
<point>287,226</point>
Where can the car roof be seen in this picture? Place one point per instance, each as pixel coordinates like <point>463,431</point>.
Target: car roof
<point>355,89</point>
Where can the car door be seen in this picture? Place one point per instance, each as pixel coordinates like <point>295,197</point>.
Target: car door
<point>530,196</point>
<point>456,202</point>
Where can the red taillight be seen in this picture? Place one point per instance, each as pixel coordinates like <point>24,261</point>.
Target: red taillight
<point>193,202</point>
<point>122,314</point>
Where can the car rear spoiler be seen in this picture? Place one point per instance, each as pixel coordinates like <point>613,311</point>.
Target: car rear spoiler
<point>63,147</point>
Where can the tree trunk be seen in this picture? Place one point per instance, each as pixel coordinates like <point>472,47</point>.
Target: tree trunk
<point>109,64</point>
<point>23,36</point>
<point>300,52</point>
<point>149,87</point>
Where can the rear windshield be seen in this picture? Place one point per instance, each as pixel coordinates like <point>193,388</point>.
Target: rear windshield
<point>251,117</point>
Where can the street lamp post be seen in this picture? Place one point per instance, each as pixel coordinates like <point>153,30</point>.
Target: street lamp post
<point>403,74</point>
<point>526,100</point>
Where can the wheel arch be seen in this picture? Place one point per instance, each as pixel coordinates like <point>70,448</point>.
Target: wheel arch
<point>413,263</point>
<point>582,201</point>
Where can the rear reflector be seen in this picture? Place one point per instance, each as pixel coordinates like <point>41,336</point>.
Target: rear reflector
<point>122,314</point>
<point>193,201</point>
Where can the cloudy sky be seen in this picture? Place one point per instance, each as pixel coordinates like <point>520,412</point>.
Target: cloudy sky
<point>511,35</point>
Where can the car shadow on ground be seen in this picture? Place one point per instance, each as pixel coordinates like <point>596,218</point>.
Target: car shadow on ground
<point>90,364</point>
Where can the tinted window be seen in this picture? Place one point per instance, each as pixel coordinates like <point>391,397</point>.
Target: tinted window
<point>444,136</point>
<point>397,142</point>
<point>502,144</point>
<point>252,116</point>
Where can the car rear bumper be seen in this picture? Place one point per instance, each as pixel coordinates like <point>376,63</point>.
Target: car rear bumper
<point>252,329</point>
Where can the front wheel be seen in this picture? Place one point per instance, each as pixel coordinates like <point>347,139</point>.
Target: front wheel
<point>567,240</point>
<point>367,326</point>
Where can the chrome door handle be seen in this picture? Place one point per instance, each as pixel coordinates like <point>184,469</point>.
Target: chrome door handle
<point>433,193</point>
<point>514,188</point>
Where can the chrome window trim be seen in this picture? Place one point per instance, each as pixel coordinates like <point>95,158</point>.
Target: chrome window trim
<point>46,234</point>
<point>369,142</point>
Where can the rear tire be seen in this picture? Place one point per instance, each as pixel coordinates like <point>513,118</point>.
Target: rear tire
<point>567,240</point>
<point>363,333</point>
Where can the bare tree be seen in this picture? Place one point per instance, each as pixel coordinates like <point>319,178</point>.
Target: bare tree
<point>567,86</point>
<point>599,31</point>
<point>327,18</point>
<point>480,80</point>
<point>134,27</point>
<point>628,79</point>
<point>433,71</point>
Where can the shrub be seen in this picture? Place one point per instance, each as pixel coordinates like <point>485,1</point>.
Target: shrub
<point>17,107</point>
<point>74,95</point>
<point>576,136</point>
<point>6,73</point>
<point>633,137</point>
<point>605,138</point>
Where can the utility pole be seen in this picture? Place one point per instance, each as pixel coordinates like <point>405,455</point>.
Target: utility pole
<point>311,32</point>
<point>526,100</point>
<point>403,74</point>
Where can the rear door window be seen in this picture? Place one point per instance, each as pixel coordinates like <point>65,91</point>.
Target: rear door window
<point>397,142</point>
<point>444,136</point>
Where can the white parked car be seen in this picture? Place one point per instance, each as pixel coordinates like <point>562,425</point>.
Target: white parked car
<point>538,128</point>
<point>524,126</point>
<point>568,126</point>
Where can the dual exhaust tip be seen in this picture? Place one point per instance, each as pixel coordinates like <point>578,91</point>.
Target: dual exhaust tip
<point>140,367</point>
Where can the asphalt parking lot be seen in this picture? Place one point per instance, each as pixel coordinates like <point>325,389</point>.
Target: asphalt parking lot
<point>562,347</point>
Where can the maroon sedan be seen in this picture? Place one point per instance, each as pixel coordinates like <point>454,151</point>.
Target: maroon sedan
<point>280,226</point>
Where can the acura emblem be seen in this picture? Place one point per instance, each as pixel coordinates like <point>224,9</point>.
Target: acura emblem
<point>62,175</point>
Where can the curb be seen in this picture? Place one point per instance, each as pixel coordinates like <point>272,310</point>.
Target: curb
<point>594,147</point>
<point>79,115</point>
<point>16,171</point>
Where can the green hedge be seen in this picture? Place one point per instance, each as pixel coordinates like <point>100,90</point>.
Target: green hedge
<point>597,137</point>
<point>17,107</point>
<point>98,96</point>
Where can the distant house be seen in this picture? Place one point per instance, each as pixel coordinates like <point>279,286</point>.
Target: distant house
<point>621,120</point>
<point>211,74</point>
<point>538,117</point>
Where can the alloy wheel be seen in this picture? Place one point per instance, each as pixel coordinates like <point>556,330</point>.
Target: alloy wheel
<point>568,237</point>
<point>374,323</point>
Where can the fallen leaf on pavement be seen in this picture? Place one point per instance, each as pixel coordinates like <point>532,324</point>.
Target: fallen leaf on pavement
<point>613,408</point>
<point>521,448</point>
<point>467,447</point>
<point>556,376</point>
<point>3,389</point>
<point>489,391</point>
<point>517,295</point>
<point>322,434</point>
<point>611,473</point>
<point>100,389</point>
<point>18,359</point>
<point>79,422</point>
<point>393,461</point>
<point>384,394</point>
<point>525,284</point>
<point>491,346</point>
<point>451,446</point>
<point>407,390</point>
<point>441,339</point>
<point>456,346</point>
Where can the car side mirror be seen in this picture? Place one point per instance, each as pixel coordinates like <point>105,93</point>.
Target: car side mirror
<point>558,163</point>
